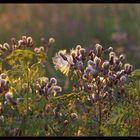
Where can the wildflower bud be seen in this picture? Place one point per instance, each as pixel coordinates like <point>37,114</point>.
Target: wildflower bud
<point>2,82</point>
<point>110,49</point>
<point>91,63</point>
<point>112,53</point>
<point>123,79</point>
<point>98,50</point>
<point>97,80</point>
<point>6,85</point>
<point>122,57</point>
<point>82,51</point>
<point>92,56</point>
<point>37,50</point>
<point>6,45</point>
<point>118,74</point>
<point>66,122</point>
<point>51,40</point>
<point>74,116</point>
<point>47,108</point>
<point>41,48</point>
<point>3,75</point>
<point>20,42</point>
<point>111,59</point>
<point>85,76</point>
<point>29,39</point>
<point>128,68</point>
<point>88,70</point>
<point>73,54</point>
<point>53,80</point>
<point>63,56</point>
<point>117,60</point>
<point>57,88</point>
<point>105,67</point>
<point>94,73</point>
<point>74,57</point>
<point>120,65</point>
<point>97,61</point>
<point>24,37</point>
<point>78,47</point>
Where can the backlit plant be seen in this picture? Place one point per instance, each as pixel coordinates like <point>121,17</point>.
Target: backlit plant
<point>101,101</point>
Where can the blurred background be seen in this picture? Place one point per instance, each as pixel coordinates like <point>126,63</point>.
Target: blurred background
<point>115,25</point>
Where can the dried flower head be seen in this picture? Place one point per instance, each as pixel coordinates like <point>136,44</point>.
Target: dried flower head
<point>62,62</point>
